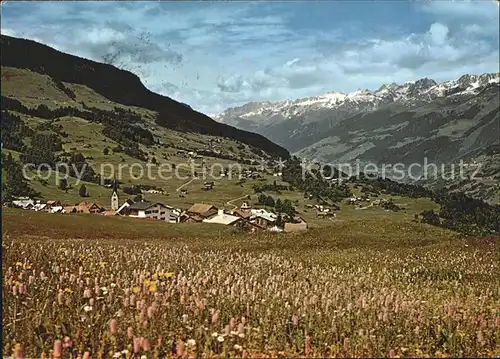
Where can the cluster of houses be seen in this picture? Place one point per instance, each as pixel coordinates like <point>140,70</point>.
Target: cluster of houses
<point>244,217</point>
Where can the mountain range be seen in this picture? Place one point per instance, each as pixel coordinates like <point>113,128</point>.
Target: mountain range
<point>441,122</point>
<point>305,125</point>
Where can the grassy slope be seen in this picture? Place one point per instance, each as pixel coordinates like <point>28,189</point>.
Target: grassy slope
<point>88,139</point>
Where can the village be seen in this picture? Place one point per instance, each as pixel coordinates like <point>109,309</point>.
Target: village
<point>245,217</point>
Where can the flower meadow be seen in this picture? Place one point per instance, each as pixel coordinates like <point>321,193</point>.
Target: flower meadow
<point>151,299</point>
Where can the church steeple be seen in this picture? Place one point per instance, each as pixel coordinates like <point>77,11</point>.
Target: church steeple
<point>114,196</point>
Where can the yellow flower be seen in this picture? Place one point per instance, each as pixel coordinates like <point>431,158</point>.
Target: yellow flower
<point>136,290</point>
<point>146,281</point>
<point>155,277</point>
<point>152,288</point>
<point>67,290</point>
<point>19,264</point>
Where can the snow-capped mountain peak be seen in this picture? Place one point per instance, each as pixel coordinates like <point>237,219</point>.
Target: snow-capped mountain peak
<point>410,92</point>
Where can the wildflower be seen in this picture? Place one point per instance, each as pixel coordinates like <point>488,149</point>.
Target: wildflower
<point>151,312</point>
<point>220,338</point>
<point>130,332</point>
<point>87,308</point>
<point>241,335</point>
<point>191,342</point>
<point>215,335</point>
<point>136,290</point>
<point>117,355</point>
<point>87,293</point>
<point>308,345</point>
<point>57,349</point>
<point>180,348</point>
<point>60,298</point>
<point>67,342</point>
<point>216,316</point>
<point>137,345</point>
<point>18,352</point>
<point>113,326</point>
<point>238,347</point>
<point>146,345</point>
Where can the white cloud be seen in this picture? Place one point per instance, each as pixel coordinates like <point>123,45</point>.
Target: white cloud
<point>213,56</point>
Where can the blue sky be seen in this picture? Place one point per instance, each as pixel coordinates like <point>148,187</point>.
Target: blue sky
<point>214,55</point>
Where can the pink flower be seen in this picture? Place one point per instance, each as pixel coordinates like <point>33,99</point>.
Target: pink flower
<point>14,290</point>
<point>392,353</point>
<point>31,279</point>
<point>346,345</point>
<point>145,345</point>
<point>308,348</point>
<point>87,293</point>
<point>241,328</point>
<point>130,332</point>
<point>67,342</point>
<point>57,348</point>
<point>113,326</point>
<point>232,323</point>
<point>216,316</point>
<point>18,352</point>
<point>86,355</point>
<point>151,312</point>
<point>60,298</point>
<point>132,300</point>
<point>137,345</point>
<point>180,348</point>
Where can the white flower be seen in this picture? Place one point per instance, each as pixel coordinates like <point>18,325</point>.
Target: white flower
<point>241,335</point>
<point>87,308</point>
<point>104,290</point>
<point>233,332</point>
<point>117,355</point>
<point>144,357</point>
<point>191,342</point>
<point>214,335</point>
<point>125,351</point>
<point>220,338</point>
<point>238,347</point>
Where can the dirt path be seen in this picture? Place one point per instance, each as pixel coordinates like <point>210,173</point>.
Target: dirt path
<point>185,184</point>
<point>230,203</point>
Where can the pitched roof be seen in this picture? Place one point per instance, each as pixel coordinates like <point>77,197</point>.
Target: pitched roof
<point>222,218</point>
<point>262,213</point>
<point>200,208</point>
<point>242,214</point>
<point>145,205</point>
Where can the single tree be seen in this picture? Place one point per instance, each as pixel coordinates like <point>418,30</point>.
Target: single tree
<point>83,192</point>
<point>63,184</point>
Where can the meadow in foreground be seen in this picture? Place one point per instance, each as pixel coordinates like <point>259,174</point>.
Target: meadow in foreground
<point>72,298</point>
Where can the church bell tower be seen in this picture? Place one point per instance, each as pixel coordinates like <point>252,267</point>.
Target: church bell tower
<point>114,197</point>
